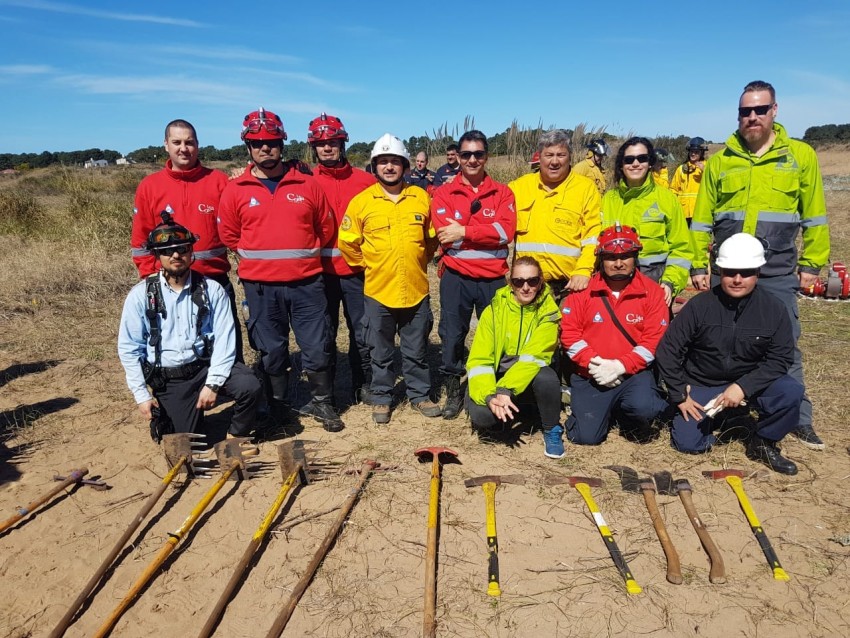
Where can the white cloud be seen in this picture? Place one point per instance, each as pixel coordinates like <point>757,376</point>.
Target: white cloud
<point>58,7</point>
<point>240,54</point>
<point>25,69</point>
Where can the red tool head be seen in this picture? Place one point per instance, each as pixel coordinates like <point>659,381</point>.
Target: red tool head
<point>427,453</point>
<point>593,482</point>
<point>722,474</point>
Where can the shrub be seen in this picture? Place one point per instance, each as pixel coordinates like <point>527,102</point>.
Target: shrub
<point>20,213</point>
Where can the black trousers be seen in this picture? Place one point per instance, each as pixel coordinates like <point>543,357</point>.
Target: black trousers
<point>545,391</point>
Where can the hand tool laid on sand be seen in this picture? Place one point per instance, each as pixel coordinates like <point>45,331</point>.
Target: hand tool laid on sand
<point>180,450</point>
<point>95,484</point>
<point>489,485</point>
<point>231,455</point>
<point>733,477</point>
<point>632,483</point>
<point>283,617</point>
<point>717,570</point>
<point>583,485</point>
<point>296,470</point>
<point>74,477</point>
<point>429,622</point>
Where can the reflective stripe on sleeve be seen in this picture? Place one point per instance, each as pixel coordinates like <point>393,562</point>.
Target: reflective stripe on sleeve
<point>479,370</point>
<point>551,249</point>
<point>577,347</point>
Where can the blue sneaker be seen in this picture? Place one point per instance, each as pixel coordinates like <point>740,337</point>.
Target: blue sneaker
<point>553,442</point>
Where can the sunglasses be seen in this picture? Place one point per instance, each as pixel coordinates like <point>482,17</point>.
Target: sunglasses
<point>643,158</point>
<point>479,155</point>
<point>258,144</point>
<point>743,272</point>
<point>519,282</point>
<point>182,249</point>
<point>744,111</point>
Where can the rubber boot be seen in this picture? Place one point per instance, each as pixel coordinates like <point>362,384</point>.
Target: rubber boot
<point>277,393</point>
<point>454,398</point>
<point>320,407</point>
<point>360,385</point>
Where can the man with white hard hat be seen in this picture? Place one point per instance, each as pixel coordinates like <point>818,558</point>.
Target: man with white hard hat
<point>729,347</point>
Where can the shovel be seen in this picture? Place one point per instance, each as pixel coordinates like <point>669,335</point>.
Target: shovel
<point>231,461</point>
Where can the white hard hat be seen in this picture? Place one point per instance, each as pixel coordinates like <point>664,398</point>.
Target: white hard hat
<point>741,250</point>
<point>390,145</point>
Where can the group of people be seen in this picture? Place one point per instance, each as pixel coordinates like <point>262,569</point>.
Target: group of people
<point>587,299</point>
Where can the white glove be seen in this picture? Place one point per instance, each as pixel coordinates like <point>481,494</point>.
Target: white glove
<point>607,372</point>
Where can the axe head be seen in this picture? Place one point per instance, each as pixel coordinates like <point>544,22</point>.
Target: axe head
<point>682,485</point>
<point>573,480</point>
<point>722,474</point>
<point>517,479</point>
<point>233,451</point>
<point>628,477</point>
<point>664,483</point>
<point>444,454</point>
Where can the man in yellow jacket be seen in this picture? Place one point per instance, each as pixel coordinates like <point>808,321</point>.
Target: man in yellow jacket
<point>558,216</point>
<point>688,177</point>
<point>768,185</point>
<point>387,232</point>
<point>591,166</point>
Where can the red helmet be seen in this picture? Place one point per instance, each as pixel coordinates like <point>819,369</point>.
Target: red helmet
<point>262,125</point>
<point>535,159</point>
<point>618,240</point>
<point>326,127</point>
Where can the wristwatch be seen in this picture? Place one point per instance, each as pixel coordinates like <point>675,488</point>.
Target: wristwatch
<point>214,387</point>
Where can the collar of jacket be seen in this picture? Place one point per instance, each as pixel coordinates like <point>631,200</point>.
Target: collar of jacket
<point>185,176</point>
<point>505,297</point>
<point>377,191</point>
<point>736,144</point>
<point>337,172</point>
<point>459,186</point>
<point>738,305</point>
<point>633,192</point>
<point>292,175</point>
<point>635,288</point>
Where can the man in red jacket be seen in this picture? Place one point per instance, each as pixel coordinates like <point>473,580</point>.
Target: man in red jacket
<point>610,331</point>
<point>277,219</point>
<point>343,284</point>
<point>475,220</point>
<point>190,192</point>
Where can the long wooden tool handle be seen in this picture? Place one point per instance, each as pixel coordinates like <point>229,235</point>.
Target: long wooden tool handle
<point>616,555</point>
<point>674,568</point>
<point>163,554</point>
<point>301,586</point>
<point>224,599</point>
<point>429,618</point>
<point>761,537</point>
<point>717,572</point>
<point>74,476</point>
<point>493,588</point>
<point>63,624</point>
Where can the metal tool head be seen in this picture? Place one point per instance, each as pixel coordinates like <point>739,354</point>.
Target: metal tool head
<point>293,458</point>
<point>628,477</point>
<point>682,485</point>
<point>191,447</point>
<point>572,480</point>
<point>664,483</point>
<point>647,485</point>
<point>722,474</point>
<point>94,482</point>
<point>446,455</point>
<point>516,479</point>
<point>233,451</point>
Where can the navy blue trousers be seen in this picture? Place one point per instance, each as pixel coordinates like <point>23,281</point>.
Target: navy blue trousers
<point>348,292</point>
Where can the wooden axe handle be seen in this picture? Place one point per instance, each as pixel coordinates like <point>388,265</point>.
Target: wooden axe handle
<point>75,476</point>
<point>717,573</point>
<point>674,568</point>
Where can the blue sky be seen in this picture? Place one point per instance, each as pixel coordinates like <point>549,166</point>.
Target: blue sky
<point>77,75</point>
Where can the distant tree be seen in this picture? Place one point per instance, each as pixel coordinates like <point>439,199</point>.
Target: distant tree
<point>827,133</point>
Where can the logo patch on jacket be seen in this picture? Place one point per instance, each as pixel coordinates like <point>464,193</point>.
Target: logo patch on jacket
<point>418,218</point>
<point>441,211</point>
<point>294,198</point>
<point>206,208</point>
<point>597,318</point>
<point>458,215</point>
<point>346,223</point>
<point>253,202</point>
<point>168,209</point>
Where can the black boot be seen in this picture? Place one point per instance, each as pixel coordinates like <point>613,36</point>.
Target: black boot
<point>454,398</point>
<point>320,407</point>
<point>277,393</point>
<point>360,385</point>
<point>759,449</point>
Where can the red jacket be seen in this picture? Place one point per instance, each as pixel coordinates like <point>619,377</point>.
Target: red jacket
<point>483,253</point>
<point>192,197</point>
<point>278,236</point>
<point>587,329</point>
<point>340,186</point>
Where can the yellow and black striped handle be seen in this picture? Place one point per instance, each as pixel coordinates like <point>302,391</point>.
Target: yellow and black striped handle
<point>493,588</point>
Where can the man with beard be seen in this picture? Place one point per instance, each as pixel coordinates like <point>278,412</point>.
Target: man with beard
<point>177,336</point>
<point>277,219</point>
<point>340,181</point>
<point>768,185</point>
<point>387,231</point>
<point>610,331</point>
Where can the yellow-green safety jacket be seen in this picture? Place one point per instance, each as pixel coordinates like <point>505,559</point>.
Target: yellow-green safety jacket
<point>657,215</point>
<point>513,341</point>
<point>771,197</point>
<point>686,181</point>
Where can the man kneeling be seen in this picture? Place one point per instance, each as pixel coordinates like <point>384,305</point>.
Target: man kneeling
<point>729,345</point>
<point>610,331</point>
<point>177,336</point>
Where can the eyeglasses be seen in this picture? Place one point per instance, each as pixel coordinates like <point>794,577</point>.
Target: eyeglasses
<point>744,111</point>
<point>479,155</point>
<point>258,144</point>
<point>182,249</point>
<point>519,282</point>
<point>643,158</point>
<point>743,272</point>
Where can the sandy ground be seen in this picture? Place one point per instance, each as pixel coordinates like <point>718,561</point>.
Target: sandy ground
<point>557,577</point>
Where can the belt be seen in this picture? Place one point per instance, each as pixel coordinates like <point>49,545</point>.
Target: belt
<point>182,372</point>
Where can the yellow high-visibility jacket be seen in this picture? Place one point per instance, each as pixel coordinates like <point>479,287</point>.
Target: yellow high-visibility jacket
<point>589,169</point>
<point>771,197</point>
<point>559,228</point>
<point>661,177</point>
<point>686,181</point>
<point>392,241</point>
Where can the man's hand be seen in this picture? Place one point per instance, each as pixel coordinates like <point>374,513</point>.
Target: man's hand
<point>448,179</point>
<point>807,279</point>
<point>206,399</point>
<point>145,408</point>
<point>607,372</point>
<point>577,282</point>
<point>667,287</point>
<point>732,397</point>
<point>451,233</point>
<point>700,282</point>
<point>691,408</point>
<point>502,407</point>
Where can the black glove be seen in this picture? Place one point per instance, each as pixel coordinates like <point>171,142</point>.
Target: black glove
<point>160,424</point>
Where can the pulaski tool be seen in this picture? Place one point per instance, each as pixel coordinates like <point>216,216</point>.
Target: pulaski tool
<point>733,477</point>
<point>583,484</point>
<point>632,483</point>
<point>488,485</point>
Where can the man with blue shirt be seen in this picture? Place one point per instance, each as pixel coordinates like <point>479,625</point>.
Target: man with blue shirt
<point>177,343</point>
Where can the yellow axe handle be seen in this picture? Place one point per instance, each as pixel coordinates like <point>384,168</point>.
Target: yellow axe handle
<point>493,588</point>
